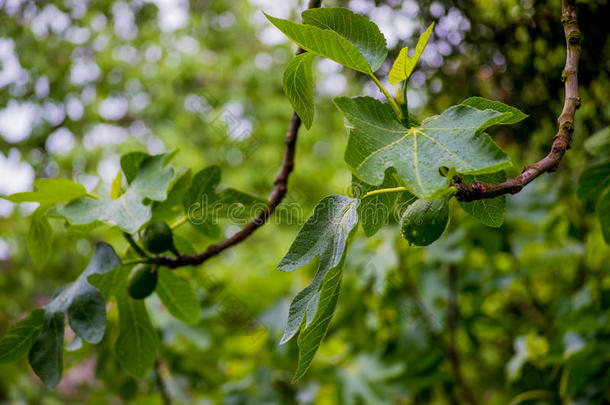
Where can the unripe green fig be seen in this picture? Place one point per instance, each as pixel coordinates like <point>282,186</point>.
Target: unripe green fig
<point>142,281</point>
<point>158,237</point>
<point>424,221</point>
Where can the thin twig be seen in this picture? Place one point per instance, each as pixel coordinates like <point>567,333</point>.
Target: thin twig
<point>563,138</point>
<point>275,198</point>
<point>452,323</point>
<point>160,382</point>
<point>428,323</point>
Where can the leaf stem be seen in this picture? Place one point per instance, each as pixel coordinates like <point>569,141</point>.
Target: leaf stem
<point>138,261</point>
<point>391,100</point>
<point>384,190</point>
<point>95,196</point>
<point>178,222</point>
<point>134,245</point>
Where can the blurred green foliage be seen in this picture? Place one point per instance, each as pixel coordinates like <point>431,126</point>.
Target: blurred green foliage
<point>534,295</point>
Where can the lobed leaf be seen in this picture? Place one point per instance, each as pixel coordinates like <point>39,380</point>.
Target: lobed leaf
<point>453,139</point>
<point>128,212</point>
<point>404,64</point>
<point>298,86</point>
<point>324,234</point>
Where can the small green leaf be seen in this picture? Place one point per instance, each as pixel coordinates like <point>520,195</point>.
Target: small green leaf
<point>454,139</point>
<point>489,211</point>
<point>50,191</point>
<point>20,337</point>
<point>404,64</point>
<point>178,296</point>
<point>323,42</point>
<point>199,197</point>
<point>183,246</point>
<point>356,28</point>
<point>325,233</point>
<point>204,206</point>
<point>298,86</point>
<point>603,212</point>
<point>136,346</point>
<point>46,353</point>
<point>593,180</point>
<point>128,212</point>
<point>115,189</point>
<point>39,240</point>
<point>481,103</point>
<point>599,143</point>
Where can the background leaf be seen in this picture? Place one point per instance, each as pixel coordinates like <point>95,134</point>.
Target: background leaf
<point>172,207</point>
<point>46,353</point>
<point>599,143</point>
<point>603,212</point>
<point>298,86</point>
<point>39,240</point>
<point>136,346</point>
<point>178,296</point>
<point>593,180</point>
<point>20,337</point>
<point>489,211</point>
<point>204,206</point>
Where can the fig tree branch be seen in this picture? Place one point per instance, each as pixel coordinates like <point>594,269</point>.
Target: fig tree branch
<point>563,138</point>
<point>275,198</point>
